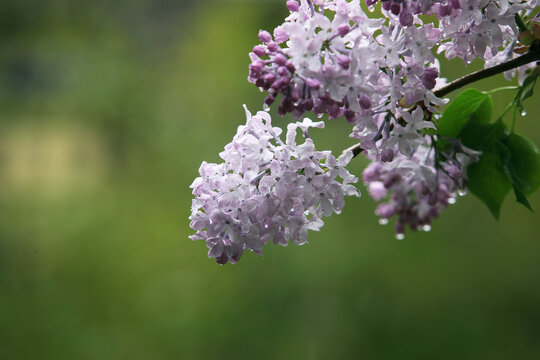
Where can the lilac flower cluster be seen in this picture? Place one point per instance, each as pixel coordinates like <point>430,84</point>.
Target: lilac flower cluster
<point>469,28</point>
<point>406,9</point>
<point>348,65</point>
<point>479,28</point>
<point>382,76</point>
<point>329,57</point>
<point>415,189</point>
<point>267,189</point>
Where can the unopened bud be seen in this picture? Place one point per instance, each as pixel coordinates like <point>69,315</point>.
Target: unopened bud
<point>265,36</point>
<point>343,29</point>
<point>259,50</point>
<point>344,61</point>
<point>293,6</point>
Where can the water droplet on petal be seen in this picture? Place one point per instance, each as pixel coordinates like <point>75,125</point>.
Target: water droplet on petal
<point>400,236</point>
<point>452,200</point>
<point>523,113</point>
<point>426,228</point>
<point>383,221</point>
<point>462,192</point>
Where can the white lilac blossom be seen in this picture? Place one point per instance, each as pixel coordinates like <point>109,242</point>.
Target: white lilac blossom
<point>267,189</point>
<point>414,188</point>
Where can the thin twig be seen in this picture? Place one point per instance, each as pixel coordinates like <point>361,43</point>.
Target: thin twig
<point>485,73</point>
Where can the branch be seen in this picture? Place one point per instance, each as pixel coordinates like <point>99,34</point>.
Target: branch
<point>483,74</point>
<point>356,150</point>
<point>529,57</point>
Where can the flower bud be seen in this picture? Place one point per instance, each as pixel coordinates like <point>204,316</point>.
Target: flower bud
<point>343,29</point>
<point>349,116</point>
<point>280,59</point>
<point>259,50</point>
<point>272,46</point>
<point>313,84</point>
<point>265,36</point>
<point>344,61</point>
<point>406,18</point>
<point>387,155</point>
<point>364,101</point>
<point>293,6</point>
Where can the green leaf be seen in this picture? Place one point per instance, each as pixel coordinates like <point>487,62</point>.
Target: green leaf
<point>522,164</point>
<point>488,180</point>
<point>487,177</point>
<point>506,160</point>
<point>482,137</point>
<point>526,90</point>
<point>471,104</point>
<point>520,23</point>
<point>522,199</point>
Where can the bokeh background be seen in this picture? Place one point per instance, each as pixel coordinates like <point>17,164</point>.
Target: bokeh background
<point>107,108</point>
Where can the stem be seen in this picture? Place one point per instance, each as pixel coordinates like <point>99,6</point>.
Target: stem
<point>491,92</point>
<point>513,120</point>
<point>312,8</point>
<point>505,111</point>
<point>356,150</point>
<point>484,74</point>
<point>520,23</point>
<point>529,57</point>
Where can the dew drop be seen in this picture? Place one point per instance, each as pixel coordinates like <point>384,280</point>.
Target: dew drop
<point>266,107</point>
<point>400,236</point>
<point>523,113</point>
<point>383,221</point>
<point>320,115</point>
<point>462,192</point>
<point>452,200</point>
<point>261,89</point>
<point>426,228</point>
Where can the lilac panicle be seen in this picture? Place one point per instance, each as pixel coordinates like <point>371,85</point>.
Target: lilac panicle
<point>267,190</point>
<point>350,57</point>
<point>331,64</point>
<point>381,75</point>
<point>413,189</point>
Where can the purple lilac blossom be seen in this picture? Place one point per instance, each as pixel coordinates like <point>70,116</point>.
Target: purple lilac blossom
<point>329,57</point>
<point>267,189</point>
<point>470,28</point>
<point>480,28</point>
<point>347,65</point>
<point>413,189</point>
<point>344,64</point>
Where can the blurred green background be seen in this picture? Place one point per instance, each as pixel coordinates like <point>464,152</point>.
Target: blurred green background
<point>107,110</point>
